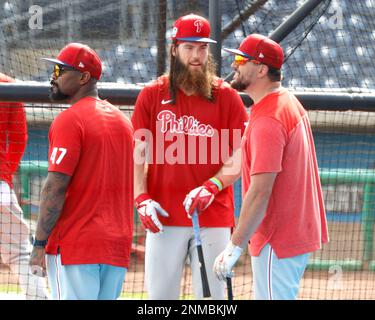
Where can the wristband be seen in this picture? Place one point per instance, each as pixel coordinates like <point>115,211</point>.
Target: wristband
<point>218,183</point>
<point>214,184</point>
<point>39,243</point>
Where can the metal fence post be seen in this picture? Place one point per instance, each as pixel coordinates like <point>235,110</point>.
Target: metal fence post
<point>215,21</point>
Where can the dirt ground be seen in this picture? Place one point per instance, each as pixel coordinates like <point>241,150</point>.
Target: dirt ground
<point>316,285</point>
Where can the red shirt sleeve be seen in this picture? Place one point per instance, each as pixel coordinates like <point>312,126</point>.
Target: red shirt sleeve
<point>17,135</point>
<point>267,142</point>
<point>141,114</point>
<point>65,140</point>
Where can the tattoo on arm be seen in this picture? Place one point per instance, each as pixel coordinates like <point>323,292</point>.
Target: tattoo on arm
<point>51,203</point>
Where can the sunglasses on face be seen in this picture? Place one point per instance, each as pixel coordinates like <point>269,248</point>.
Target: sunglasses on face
<point>59,70</point>
<point>241,60</point>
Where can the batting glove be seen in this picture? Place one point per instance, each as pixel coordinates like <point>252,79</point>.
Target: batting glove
<point>200,198</point>
<point>225,261</point>
<point>148,211</point>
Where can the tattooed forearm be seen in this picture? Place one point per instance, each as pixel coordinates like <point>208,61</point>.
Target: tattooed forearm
<point>51,203</point>
<point>48,220</point>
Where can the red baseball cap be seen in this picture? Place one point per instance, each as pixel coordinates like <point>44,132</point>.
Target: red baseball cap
<point>81,57</point>
<point>192,28</point>
<point>261,48</point>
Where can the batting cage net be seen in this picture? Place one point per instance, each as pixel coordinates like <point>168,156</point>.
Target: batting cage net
<point>330,50</point>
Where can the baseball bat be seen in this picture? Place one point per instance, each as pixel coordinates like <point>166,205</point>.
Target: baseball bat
<point>202,266</point>
<point>229,289</point>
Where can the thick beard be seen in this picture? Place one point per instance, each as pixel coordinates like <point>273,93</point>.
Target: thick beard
<point>58,95</point>
<point>239,85</point>
<point>198,81</point>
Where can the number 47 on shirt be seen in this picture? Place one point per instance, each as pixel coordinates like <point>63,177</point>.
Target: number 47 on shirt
<point>60,156</point>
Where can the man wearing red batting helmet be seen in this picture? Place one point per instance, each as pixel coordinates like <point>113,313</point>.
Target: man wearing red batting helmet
<point>86,210</point>
<point>188,126</point>
<point>283,212</point>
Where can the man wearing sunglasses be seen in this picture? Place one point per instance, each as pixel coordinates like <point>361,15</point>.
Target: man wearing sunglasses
<point>282,212</point>
<point>15,245</point>
<point>86,210</point>
<point>193,123</point>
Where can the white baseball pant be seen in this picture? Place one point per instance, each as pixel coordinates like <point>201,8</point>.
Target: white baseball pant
<point>166,256</point>
<point>15,246</point>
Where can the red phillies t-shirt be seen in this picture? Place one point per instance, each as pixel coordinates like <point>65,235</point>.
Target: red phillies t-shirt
<point>188,143</point>
<point>279,139</point>
<point>13,136</point>
<point>92,142</point>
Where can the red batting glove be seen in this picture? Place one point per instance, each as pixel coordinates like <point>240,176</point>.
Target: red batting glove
<point>148,211</point>
<point>200,198</point>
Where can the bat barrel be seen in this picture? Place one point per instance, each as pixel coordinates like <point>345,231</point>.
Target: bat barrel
<point>229,289</point>
<point>205,286</point>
